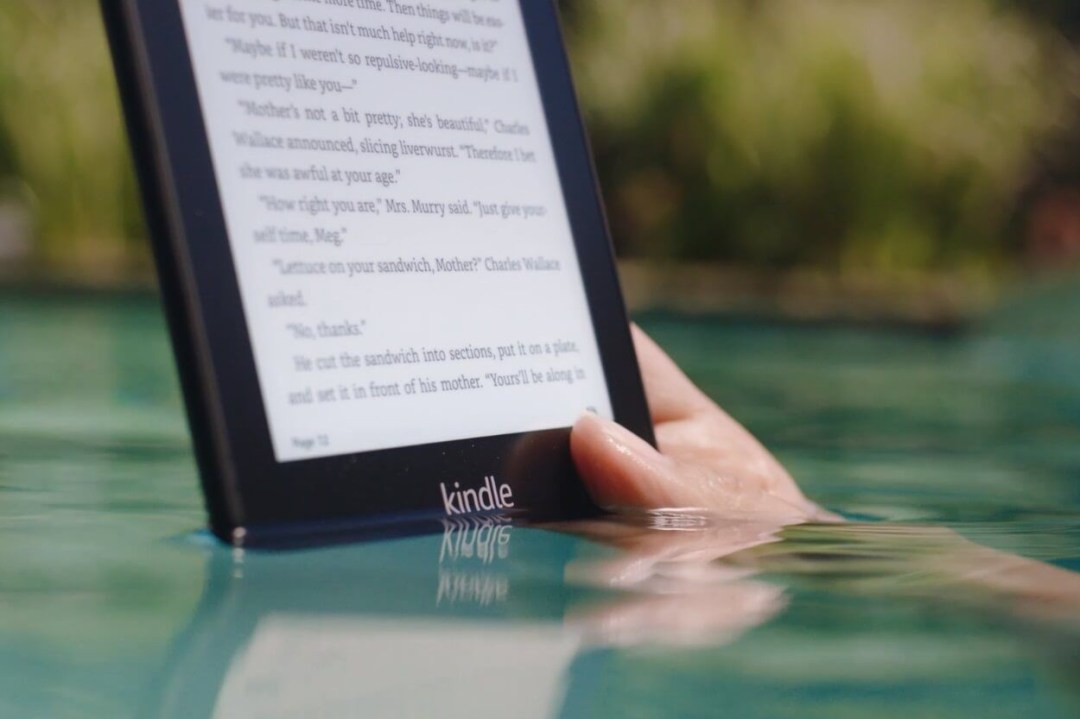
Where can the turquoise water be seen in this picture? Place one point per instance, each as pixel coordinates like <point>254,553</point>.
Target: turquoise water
<point>952,454</point>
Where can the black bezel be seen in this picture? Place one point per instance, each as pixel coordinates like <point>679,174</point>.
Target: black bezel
<point>245,487</point>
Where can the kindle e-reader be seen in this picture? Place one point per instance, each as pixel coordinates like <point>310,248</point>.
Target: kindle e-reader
<point>382,253</point>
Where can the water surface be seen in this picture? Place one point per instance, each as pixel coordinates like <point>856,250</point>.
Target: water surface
<point>951,453</point>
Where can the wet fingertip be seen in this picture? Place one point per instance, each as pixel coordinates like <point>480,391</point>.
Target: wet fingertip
<point>586,427</point>
<point>621,470</point>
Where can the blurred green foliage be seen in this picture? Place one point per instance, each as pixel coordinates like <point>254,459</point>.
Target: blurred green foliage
<point>892,134</point>
<point>869,135</point>
<point>63,149</point>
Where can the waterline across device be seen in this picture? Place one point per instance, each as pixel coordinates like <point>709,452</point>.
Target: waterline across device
<point>382,253</point>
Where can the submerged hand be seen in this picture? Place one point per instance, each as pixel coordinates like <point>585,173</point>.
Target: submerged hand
<point>698,585</point>
<point>706,460</point>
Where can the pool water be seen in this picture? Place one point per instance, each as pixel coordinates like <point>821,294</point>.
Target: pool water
<point>953,455</point>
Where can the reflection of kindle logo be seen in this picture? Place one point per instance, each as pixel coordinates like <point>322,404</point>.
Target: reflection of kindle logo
<point>482,538</point>
<point>488,498</point>
<point>468,541</point>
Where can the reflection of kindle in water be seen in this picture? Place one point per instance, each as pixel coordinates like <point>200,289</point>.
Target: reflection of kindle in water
<point>382,253</point>
<point>469,623</point>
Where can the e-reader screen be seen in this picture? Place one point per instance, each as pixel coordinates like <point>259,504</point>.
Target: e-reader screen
<point>396,219</point>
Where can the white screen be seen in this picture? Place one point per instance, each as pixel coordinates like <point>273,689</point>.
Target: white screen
<point>405,258</point>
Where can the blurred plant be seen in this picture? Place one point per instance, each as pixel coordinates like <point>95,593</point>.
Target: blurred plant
<point>881,135</point>
<point>63,140</point>
<point>846,134</point>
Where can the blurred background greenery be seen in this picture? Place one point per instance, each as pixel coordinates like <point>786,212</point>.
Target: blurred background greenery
<point>865,139</point>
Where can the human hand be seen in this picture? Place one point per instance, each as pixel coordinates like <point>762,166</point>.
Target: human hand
<point>743,498</point>
<point>706,461</point>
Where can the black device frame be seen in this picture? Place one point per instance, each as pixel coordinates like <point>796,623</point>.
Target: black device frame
<point>250,496</point>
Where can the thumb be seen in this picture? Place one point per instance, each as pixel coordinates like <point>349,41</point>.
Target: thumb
<point>621,470</point>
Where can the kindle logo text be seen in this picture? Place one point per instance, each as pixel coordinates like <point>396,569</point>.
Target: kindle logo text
<point>488,498</point>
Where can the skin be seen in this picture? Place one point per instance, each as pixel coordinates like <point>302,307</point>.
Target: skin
<point>710,468</point>
<point>707,466</point>
<point>706,460</point>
